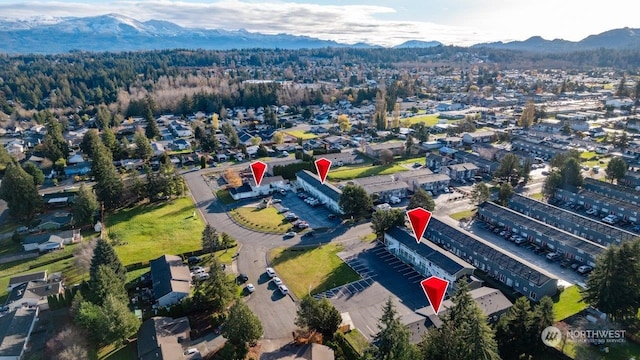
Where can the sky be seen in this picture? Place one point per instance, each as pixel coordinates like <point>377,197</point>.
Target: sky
<point>387,23</point>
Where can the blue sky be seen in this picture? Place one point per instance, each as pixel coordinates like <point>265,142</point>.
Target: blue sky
<point>460,22</point>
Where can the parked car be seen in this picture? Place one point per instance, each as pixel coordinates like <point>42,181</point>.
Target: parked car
<point>242,278</point>
<point>283,289</point>
<point>553,256</point>
<point>520,240</point>
<point>270,272</point>
<point>394,200</point>
<point>584,269</point>
<point>202,276</point>
<point>290,234</point>
<point>192,260</point>
<point>277,281</point>
<point>250,288</point>
<point>592,211</point>
<point>191,351</point>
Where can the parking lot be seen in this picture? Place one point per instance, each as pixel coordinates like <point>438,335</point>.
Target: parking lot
<point>383,276</point>
<point>315,216</point>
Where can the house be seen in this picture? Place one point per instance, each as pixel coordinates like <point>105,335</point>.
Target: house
<point>384,187</point>
<point>171,279</point>
<point>75,159</point>
<point>21,279</point>
<point>326,193</point>
<point>612,190</point>
<point>374,150</point>
<point>425,257</point>
<point>485,166</point>
<point>33,293</point>
<point>311,351</point>
<point>180,128</point>
<point>158,148</point>
<point>449,106</point>
<point>163,338</point>
<point>633,124</point>
<point>15,330</point>
<point>55,220</point>
<point>451,142</point>
<point>49,242</point>
<point>433,182</point>
<point>568,245</point>
<point>342,159</point>
<point>479,137</point>
<point>80,168</point>
<point>435,162</point>
<point>461,172</point>
<point>491,302</point>
<point>181,144</point>
<point>268,185</point>
<point>525,278</point>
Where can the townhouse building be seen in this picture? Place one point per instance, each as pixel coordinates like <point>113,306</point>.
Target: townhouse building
<point>604,204</point>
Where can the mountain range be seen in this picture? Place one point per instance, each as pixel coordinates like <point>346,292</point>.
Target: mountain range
<point>114,32</point>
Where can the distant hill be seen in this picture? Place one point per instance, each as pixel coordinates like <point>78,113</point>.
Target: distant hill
<point>114,32</point>
<point>617,39</point>
<point>417,44</point>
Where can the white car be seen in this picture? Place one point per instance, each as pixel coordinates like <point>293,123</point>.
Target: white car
<point>270,272</point>
<point>251,288</point>
<point>202,276</point>
<point>197,269</point>
<point>191,351</point>
<point>277,281</point>
<point>283,289</point>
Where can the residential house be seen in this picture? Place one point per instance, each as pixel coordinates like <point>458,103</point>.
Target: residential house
<point>538,147</point>
<point>384,187</point>
<point>433,182</point>
<point>452,142</point>
<point>342,158</point>
<point>50,242</point>
<point>55,220</point>
<point>21,279</point>
<point>374,150</point>
<point>163,338</point>
<point>311,351</point>
<point>15,331</point>
<point>181,144</point>
<point>80,168</point>
<point>461,172</point>
<point>588,228</point>
<point>15,147</point>
<point>570,246</point>
<point>158,148</point>
<point>633,124</point>
<point>180,128</point>
<point>326,193</point>
<point>171,279</point>
<point>33,293</point>
<point>525,278</point>
<point>479,137</point>
<point>486,167</point>
<point>268,185</point>
<point>435,162</point>
<point>445,106</point>
<point>425,257</point>
<point>491,302</point>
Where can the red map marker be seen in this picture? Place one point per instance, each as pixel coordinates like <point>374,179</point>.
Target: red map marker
<point>435,289</point>
<point>258,169</point>
<point>419,219</point>
<point>322,167</point>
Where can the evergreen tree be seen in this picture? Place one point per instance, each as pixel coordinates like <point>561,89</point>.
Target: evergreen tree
<point>90,142</point>
<point>480,193</point>
<point>616,169</point>
<point>103,254</point>
<point>144,150</point>
<point>19,191</point>
<point>103,282</point>
<point>35,172</point>
<point>420,198</point>
<point>109,140</point>
<point>505,193</point>
<point>121,321</point>
<point>5,158</point>
<point>85,206</point>
<point>384,220</point>
<point>55,146</point>
<point>393,340</point>
<point>515,330</point>
<point>241,328</point>
<point>151,130</point>
<point>318,315</point>
<point>108,185</point>
<point>217,291</point>
<point>354,200</point>
<point>210,239</point>
<point>571,173</point>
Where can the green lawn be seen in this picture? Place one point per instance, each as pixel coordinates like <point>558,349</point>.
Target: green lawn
<point>351,173</point>
<point>588,155</point>
<point>368,238</point>
<point>265,220</point>
<point>151,230</point>
<point>419,160</point>
<point>224,196</point>
<point>304,135</point>
<point>357,340</point>
<point>124,352</point>
<point>537,196</point>
<point>467,214</point>
<point>569,303</point>
<point>311,270</point>
<point>428,120</point>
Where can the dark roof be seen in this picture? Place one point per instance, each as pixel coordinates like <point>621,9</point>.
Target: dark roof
<point>610,201</point>
<point>500,212</point>
<point>33,290</point>
<point>158,338</point>
<point>520,203</point>
<point>167,272</point>
<point>484,250</point>
<point>15,328</point>
<point>40,275</point>
<point>605,187</point>
<point>429,251</point>
<point>310,178</point>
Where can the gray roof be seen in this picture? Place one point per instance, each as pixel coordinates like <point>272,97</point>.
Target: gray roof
<point>40,275</point>
<point>447,262</point>
<point>15,328</point>
<point>158,338</point>
<point>493,254</point>
<point>34,290</point>
<point>168,274</point>
<point>602,186</point>
<point>312,179</point>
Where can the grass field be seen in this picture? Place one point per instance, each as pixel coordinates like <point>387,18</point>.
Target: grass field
<point>224,196</point>
<point>351,173</point>
<point>428,120</point>
<point>569,303</point>
<point>118,352</point>
<point>151,230</point>
<point>419,160</point>
<point>588,155</point>
<point>304,135</point>
<point>357,340</point>
<point>537,196</point>
<point>265,220</point>
<point>467,214</point>
<point>311,270</point>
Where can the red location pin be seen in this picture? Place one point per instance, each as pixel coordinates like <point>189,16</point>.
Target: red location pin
<point>419,219</point>
<point>322,167</point>
<point>435,289</point>
<point>257,170</point>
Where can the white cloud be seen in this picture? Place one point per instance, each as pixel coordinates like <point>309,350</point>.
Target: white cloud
<point>342,23</point>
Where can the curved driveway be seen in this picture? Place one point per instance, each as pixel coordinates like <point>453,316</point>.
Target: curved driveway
<point>276,312</point>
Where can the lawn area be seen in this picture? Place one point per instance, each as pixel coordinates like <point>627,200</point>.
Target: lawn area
<point>588,155</point>
<point>569,303</point>
<point>224,196</point>
<point>111,352</point>
<point>351,173</point>
<point>357,340</point>
<point>265,220</point>
<point>150,230</point>
<point>368,238</point>
<point>428,120</point>
<point>467,214</point>
<point>311,270</point>
<point>304,135</point>
<point>419,160</point>
<point>617,351</point>
<point>537,196</point>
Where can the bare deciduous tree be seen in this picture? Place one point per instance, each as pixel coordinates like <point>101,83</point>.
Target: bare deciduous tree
<point>82,255</point>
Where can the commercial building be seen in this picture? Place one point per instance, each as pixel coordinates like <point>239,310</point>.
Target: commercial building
<point>326,193</point>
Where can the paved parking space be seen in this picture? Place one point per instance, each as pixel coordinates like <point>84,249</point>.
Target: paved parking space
<point>316,217</point>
